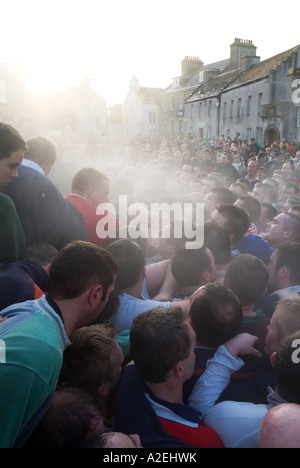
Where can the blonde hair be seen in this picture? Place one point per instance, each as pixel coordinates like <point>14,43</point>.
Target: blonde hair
<point>288,316</point>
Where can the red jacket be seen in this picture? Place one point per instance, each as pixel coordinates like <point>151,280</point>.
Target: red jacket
<point>91,219</point>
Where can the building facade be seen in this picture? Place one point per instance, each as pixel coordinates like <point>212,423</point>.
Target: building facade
<point>141,110</point>
<point>237,97</point>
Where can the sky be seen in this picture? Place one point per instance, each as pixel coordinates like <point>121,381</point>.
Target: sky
<point>113,40</point>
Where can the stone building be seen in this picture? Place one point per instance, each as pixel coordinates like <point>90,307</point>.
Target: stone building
<point>141,110</point>
<point>238,97</point>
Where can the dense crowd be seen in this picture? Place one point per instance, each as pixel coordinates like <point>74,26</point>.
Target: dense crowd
<point>115,334</point>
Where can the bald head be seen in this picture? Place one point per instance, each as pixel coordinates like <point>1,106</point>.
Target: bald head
<point>281,427</point>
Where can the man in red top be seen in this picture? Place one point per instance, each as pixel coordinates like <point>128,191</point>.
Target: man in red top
<point>90,188</point>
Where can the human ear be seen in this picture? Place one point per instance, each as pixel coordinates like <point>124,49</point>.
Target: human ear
<point>273,359</point>
<point>95,294</point>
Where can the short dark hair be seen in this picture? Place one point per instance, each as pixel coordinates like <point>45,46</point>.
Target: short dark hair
<point>268,190</point>
<point>188,266</point>
<point>252,207</point>
<point>289,255</point>
<point>287,371</point>
<point>216,315</point>
<point>85,177</point>
<point>67,421</point>
<point>87,360</point>
<point>293,222</point>
<point>79,265</point>
<point>41,253</point>
<point>248,277</point>
<point>10,141</point>
<point>238,221</point>
<point>218,242</point>
<point>271,211</point>
<point>41,150</point>
<point>223,195</point>
<point>159,339</point>
<point>130,259</point>
<point>293,186</point>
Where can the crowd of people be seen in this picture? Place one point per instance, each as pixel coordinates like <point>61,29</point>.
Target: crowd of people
<point>109,340</point>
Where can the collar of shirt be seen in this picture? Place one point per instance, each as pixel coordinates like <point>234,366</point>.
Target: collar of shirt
<point>32,165</point>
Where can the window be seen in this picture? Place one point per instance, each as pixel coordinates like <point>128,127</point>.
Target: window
<point>200,109</point>
<point>239,108</point>
<point>231,109</point>
<point>259,101</point>
<point>225,110</point>
<point>259,134</point>
<point>249,131</point>
<point>209,133</point>
<point>180,100</point>
<point>172,103</point>
<point>192,110</point>
<point>209,108</point>
<point>150,117</point>
<point>201,76</point>
<point>298,117</point>
<point>249,105</point>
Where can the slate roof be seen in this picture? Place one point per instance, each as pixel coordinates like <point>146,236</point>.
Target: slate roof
<point>228,78</point>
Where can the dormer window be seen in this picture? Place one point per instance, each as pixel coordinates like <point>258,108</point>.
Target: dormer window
<point>201,77</point>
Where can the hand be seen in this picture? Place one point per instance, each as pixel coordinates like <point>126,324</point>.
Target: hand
<point>243,344</point>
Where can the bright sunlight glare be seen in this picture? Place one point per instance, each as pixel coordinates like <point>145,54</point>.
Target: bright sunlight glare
<point>59,42</point>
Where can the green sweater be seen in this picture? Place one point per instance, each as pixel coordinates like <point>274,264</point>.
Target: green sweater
<point>12,240</point>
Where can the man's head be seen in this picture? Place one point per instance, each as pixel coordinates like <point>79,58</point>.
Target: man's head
<point>93,360</point>
<point>287,369</point>
<point>252,169</point>
<point>284,267</point>
<point>264,193</point>
<point>247,277</point>
<point>83,268</point>
<point>218,242</point>
<point>211,181</point>
<point>72,416</point>
<point>42,151</point>
<point>280,427</point>
<point>41,253</point>
<point>261,173</point>
<point>130,259</point>
<point>217,196</point>
<point>215,314</point>
<point>251,206</point>
<point>262,157</point>
<point>169,241</point>
<point>12,148</point>
<point>162,345</point>
<point>268,213</point>
<point>284,322</point>
<point>238,189</point>
<point>91,184</point>
<point>288,190</point>
<point>282,229</point>
<point>192,268</point>
<point>225,159</point>
<point>233,220</point>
